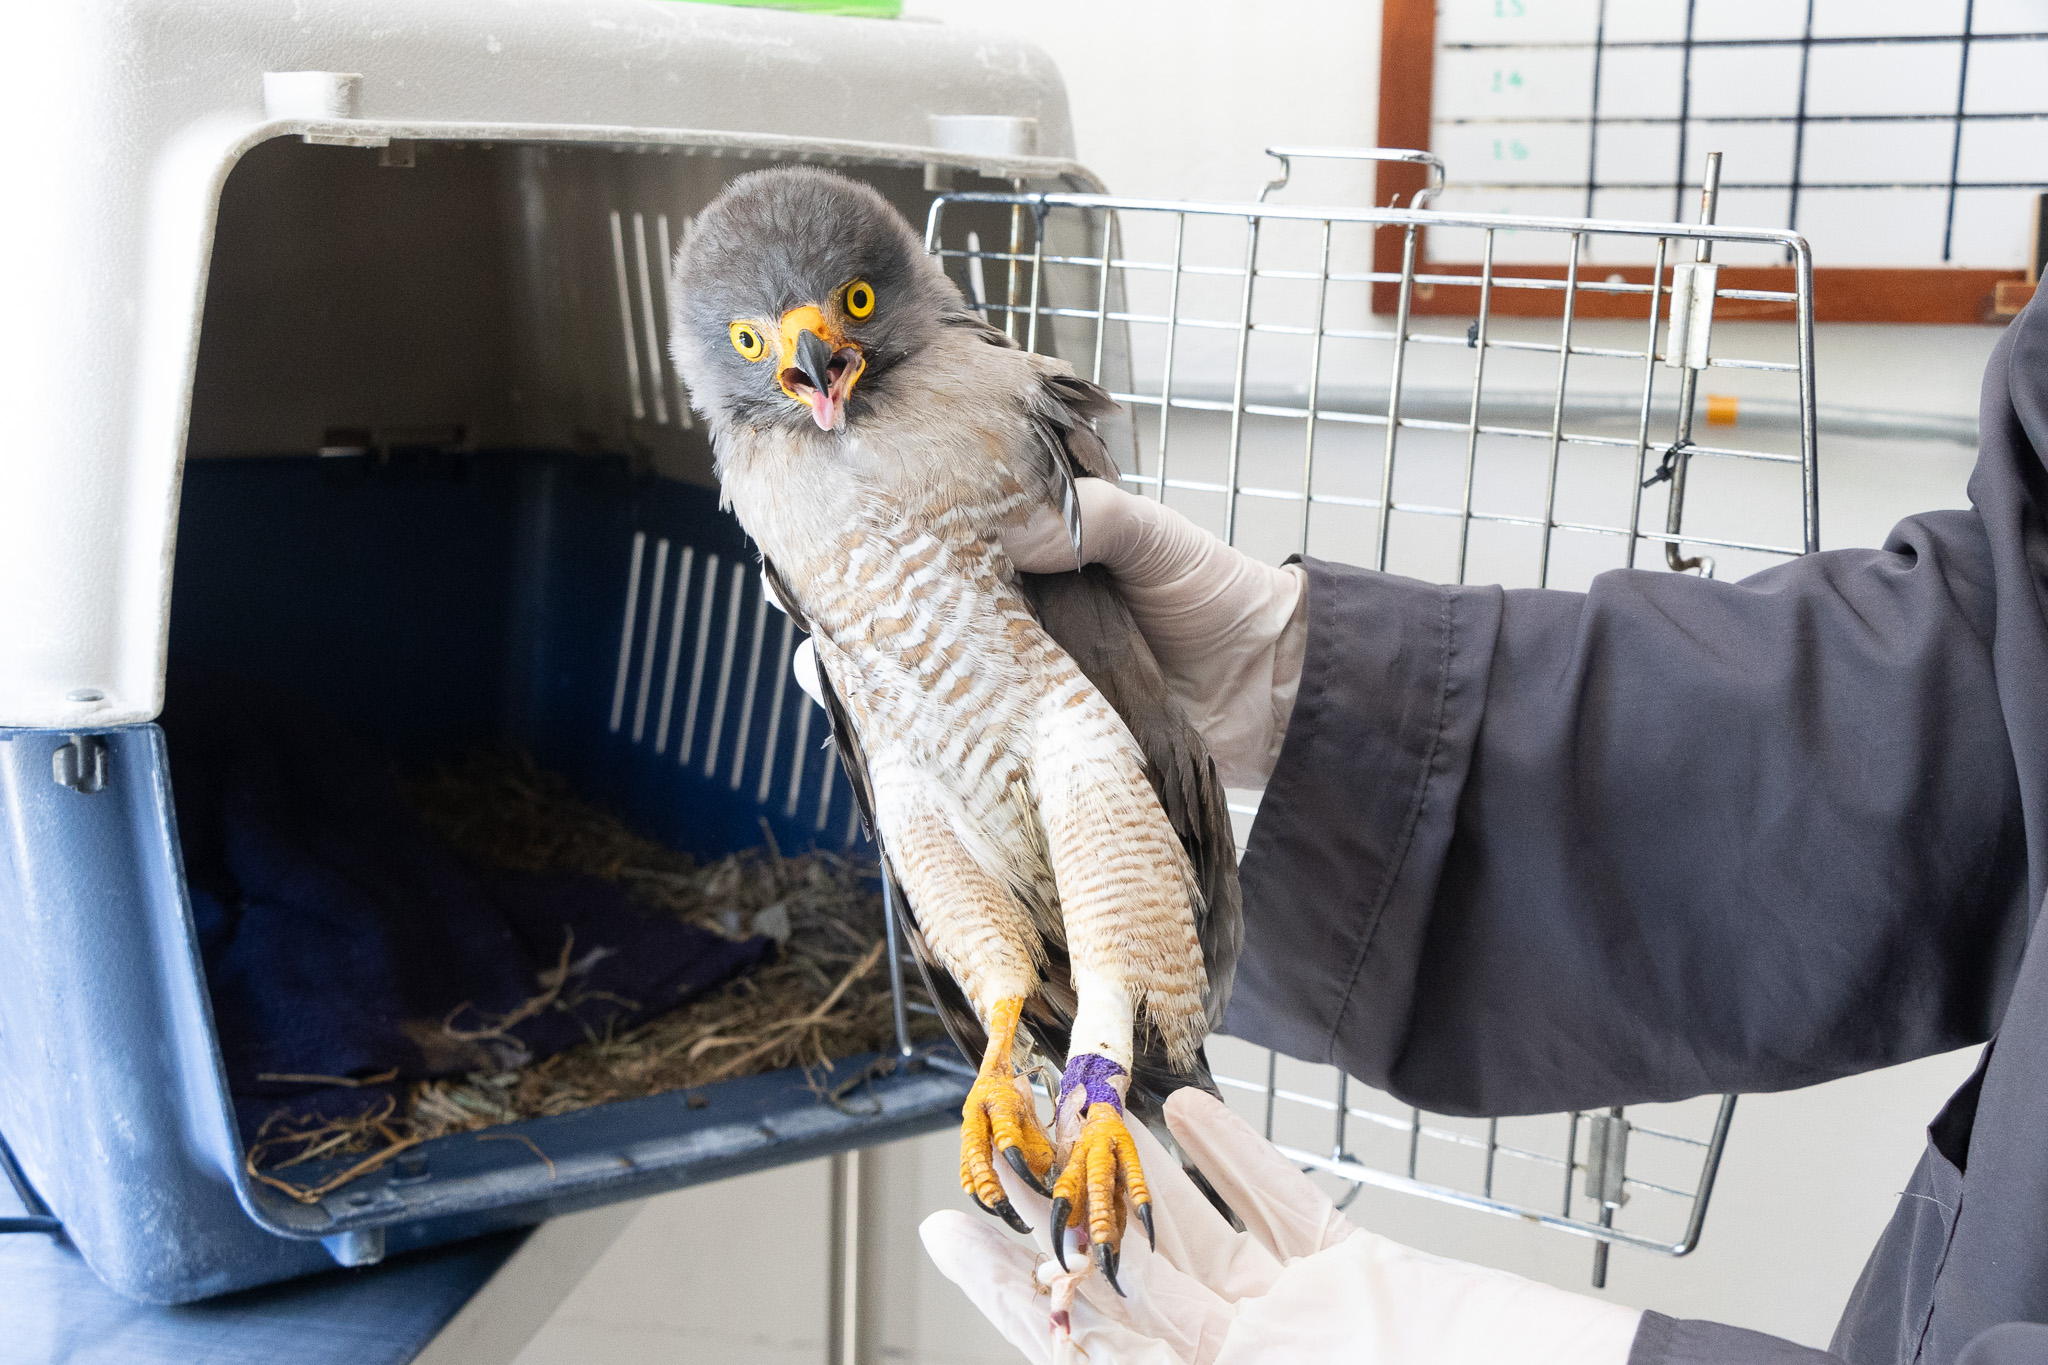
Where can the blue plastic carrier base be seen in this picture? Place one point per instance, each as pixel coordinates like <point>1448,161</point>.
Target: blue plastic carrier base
<point>612,625</point>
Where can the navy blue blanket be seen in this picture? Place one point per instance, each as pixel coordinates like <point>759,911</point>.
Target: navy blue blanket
<point>340,934</point>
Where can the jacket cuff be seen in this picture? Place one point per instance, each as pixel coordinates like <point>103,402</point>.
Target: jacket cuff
<point>1343,861</point>
<point>1673,1341</point>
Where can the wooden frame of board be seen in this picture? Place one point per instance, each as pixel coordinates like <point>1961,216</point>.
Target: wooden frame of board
<point>1942,294</point>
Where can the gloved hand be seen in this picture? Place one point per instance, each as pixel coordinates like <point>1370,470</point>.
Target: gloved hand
<point>1228,630</point>
<point>1302,1284</point>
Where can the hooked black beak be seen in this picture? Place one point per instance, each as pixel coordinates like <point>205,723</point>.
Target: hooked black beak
<point>814,358</point>
<point>817,371</point>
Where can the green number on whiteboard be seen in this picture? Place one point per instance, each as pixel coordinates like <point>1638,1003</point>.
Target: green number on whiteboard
<point>1508,9</point>
<point>1505,81</point>
<point>1510,149</point>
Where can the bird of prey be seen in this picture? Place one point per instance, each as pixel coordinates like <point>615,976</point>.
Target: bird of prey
<point>1054,822</point>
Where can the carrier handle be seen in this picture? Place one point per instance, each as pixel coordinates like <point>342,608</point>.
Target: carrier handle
<point>1409,155</point>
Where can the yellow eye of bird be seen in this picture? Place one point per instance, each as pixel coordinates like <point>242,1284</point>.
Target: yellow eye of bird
<point>860,299</point>
<point>747,341</point>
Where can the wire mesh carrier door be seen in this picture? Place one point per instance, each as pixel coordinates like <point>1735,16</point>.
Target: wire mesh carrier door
<point>1553,425</point>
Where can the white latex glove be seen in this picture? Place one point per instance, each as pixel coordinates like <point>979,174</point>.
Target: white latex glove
<point>1228,630</point>
<point>1302,1284</point>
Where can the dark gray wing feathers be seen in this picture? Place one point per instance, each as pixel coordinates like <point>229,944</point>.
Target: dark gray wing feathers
<point>1070,511</point>
<point>1086,614</point>
<point>974,322</point>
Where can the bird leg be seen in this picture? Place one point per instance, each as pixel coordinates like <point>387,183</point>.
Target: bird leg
<point>999,1117</point>
<point>1124,889</point>
<point>1102,1170</point>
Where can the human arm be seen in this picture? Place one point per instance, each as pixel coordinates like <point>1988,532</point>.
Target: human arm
<point>1529,851</point>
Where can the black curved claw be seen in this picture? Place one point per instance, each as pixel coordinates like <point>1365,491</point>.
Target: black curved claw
<point>1216,1200</point>
<point>1007,1211</point>
<point>1105,1257</point>
<point>1061,1207</point>
<point>1145,1217</point>
<point>1015,1156</point>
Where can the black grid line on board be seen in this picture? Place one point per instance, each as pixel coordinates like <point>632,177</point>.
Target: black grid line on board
<point>1799,122</point>
<point>1965,39</point>
<point>1593,109</point>
<point>1686,45</point>
<point>1848,40</point>
<point>1955,158</point>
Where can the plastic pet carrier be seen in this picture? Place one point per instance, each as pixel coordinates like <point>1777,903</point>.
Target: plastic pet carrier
<point>337,367</point>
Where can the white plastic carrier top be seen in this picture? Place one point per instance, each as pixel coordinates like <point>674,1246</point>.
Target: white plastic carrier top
<point>128,117</point>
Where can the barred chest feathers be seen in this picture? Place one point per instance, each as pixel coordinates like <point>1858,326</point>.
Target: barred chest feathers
<point>917,615</point>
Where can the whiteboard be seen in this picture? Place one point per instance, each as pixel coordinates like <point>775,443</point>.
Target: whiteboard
<point>1891,133</point>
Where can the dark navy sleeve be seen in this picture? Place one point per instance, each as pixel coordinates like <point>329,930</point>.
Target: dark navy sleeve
<point>1528,851</point>
<point>1673,1341</point>
<point>1683,1341</point>
<point>2013,1343</point>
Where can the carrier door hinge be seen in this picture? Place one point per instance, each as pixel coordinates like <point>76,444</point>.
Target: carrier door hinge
<point>1607,1159</point>
<point>1692,315</point>
<point>356,1247</point>
<point>80,763</point>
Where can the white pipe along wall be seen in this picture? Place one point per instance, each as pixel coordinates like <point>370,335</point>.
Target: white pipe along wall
<point>1176,99</point>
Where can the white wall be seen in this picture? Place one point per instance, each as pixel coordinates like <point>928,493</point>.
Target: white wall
<point>1176,100</point>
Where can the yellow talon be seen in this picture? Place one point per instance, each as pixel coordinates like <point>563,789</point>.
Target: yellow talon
<point>999,1117</point>
<point>1087,1194</point>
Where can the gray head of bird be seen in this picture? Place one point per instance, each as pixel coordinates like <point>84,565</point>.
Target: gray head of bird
<point>799,298</point>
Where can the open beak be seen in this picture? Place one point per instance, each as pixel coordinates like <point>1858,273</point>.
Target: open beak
<point>820,367</point>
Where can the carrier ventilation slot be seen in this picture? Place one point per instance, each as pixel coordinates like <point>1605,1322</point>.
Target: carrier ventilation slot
<point>775,709</point>
<point>675,651</point>
<point>643,318</point>
<point>736,687</point>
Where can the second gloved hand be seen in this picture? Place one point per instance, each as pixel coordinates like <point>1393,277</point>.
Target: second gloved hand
<point>1301,1285</point>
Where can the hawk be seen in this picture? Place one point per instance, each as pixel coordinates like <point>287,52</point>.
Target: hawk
<point>1054,822</point>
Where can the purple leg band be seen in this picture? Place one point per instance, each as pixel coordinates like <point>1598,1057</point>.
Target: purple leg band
<point>1091,1075</point>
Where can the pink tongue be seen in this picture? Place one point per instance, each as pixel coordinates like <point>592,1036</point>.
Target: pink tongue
<point>824,409</point>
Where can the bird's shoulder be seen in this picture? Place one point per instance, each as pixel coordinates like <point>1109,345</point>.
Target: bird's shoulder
<point>965,322</point>
<point>1056,410</point>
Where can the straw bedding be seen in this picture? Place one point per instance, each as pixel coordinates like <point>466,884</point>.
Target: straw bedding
<point>825,995</point>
